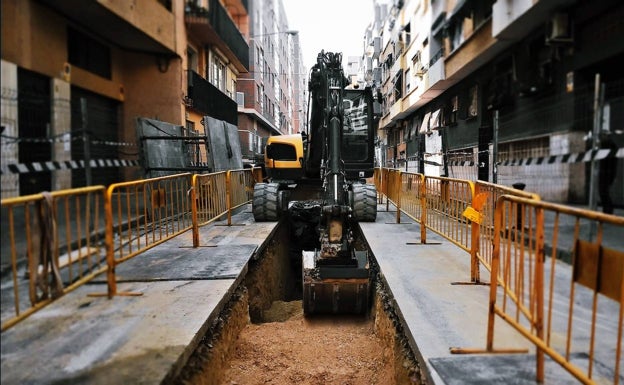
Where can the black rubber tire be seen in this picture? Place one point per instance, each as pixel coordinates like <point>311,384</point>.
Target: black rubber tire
<point>364,202</point>
<point>265,202</point>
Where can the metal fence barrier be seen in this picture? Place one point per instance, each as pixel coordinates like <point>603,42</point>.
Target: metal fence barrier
<point>436,203</point>
<point>529,293</point>
<point>240,185</point>
<point>483,229</point>
<point>209,200</point>
<point>142,214</point>
<point>503,229</point>
<point>53,242</point>
<point>60,240</point>
<point>217,194</point>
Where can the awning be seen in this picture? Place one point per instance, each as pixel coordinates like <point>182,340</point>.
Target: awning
<point>413,128</point>
<point>460,7</point>
<point>424,126</point>
<point>434,121</point>
<point>438,24</point>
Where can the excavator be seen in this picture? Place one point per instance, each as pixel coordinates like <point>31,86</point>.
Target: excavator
<point>322,172</point>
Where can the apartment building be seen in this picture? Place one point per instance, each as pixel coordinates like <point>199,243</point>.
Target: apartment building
<point>271,96</point>
<point>76,75</point>
<point>501,91</point>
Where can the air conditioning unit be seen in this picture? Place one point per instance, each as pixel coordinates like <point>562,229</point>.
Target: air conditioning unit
<point>559,28</point>
<point>377,75</point>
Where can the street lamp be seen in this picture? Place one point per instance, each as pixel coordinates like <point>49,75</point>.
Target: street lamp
<point>288,32</point>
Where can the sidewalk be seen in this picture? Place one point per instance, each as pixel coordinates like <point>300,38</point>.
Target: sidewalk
<point>135,339</point>
<point>438,310</point>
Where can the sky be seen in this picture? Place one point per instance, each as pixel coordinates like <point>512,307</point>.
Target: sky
<point>330,25</point>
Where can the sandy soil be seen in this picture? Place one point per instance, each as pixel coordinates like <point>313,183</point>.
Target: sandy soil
<point>290,349</point>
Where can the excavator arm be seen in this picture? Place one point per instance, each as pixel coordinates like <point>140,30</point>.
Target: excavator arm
<point>338,156</point>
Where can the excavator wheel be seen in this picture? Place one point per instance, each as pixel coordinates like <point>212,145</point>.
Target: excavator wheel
<point>364,202</point>
<point>265,205</point>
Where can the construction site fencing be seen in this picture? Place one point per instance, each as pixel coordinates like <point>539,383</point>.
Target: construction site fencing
<point>217,194</point>
<point>209,200</point>
<point>142,214</point>
<point>436,203</point>
<point>240,185</point>
<point>53,243</point>
<point>486,195</point>
<point>521,241</point>
<point>537,295</point>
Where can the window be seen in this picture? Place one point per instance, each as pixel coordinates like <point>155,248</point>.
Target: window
<point>282,151</point>
<point>407,81</point>
<point>473,102</point>
<point>191,58</point>
<point>529,148</point>
<point>454,108</point>
<point>218,73</point>
<point>88,54</point>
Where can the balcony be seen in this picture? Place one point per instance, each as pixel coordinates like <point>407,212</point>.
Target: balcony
<point>436,71</point>
<point>511,19</point>
<point>215,27</point>
<point>141,25</point>
<point>209,100</point>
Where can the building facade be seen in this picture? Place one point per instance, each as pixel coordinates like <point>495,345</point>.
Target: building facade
<point>77,75</point>
<point>502,91</point>
<point>271,96</point>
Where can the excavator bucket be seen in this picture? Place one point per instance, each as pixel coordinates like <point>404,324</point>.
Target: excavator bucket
<point>342,288</point>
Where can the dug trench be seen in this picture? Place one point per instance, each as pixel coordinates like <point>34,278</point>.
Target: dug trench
<point>262,336</point>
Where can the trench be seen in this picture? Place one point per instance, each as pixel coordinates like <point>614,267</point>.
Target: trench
<point>261,335</point>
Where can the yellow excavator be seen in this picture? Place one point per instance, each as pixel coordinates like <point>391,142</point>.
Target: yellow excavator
<point>323,172</point>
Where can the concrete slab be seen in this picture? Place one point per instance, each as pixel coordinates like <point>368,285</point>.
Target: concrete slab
<point>94,340</point>
<point>223,261</point>
<point>498,369</point>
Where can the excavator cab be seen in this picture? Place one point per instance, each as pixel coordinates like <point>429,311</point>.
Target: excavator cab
<point>358,134</point>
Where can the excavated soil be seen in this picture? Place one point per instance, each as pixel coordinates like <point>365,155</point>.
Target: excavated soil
<point>262,337</point>
<point>292,349</point>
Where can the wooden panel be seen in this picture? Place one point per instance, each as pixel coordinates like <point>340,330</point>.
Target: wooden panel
<point>592,259</point>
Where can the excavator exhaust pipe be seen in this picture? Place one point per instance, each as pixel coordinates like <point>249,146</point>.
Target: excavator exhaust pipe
<point>341,287</point>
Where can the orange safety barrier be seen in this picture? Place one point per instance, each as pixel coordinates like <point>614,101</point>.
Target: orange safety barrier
<point>437,203</point>
<point>119,223</point>
<point>217,194</point>
<point>413,201</point>
<point>483,229</point>
<point>446,200</point>
<point>538,294</point>
<point>209,200</point>
<point>142,214</point>
<point>55,243</point>
<point>240,185</point>
<point>378,181</point>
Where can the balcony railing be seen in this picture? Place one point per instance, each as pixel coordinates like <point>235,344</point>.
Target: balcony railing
<point>214,26</point>
<point>209,100</point>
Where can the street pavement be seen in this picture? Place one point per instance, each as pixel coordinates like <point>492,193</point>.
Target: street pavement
<point>147,339</point>
<point>144,339</point>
